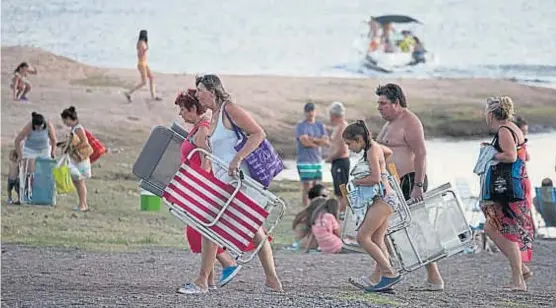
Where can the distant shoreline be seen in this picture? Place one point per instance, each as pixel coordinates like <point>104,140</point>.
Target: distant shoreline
<point>535,82</point>
<point>448,107</point>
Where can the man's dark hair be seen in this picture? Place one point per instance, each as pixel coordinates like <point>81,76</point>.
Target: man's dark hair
<point>547,182</point>
<point>393,92</point>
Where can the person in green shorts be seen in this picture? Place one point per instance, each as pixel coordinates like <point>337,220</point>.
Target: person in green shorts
<point>310,136</point>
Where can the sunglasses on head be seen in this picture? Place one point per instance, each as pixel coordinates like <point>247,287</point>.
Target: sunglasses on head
<point>206,80</point>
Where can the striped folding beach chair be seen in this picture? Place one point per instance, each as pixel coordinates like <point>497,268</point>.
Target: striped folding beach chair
<point>229,214</point>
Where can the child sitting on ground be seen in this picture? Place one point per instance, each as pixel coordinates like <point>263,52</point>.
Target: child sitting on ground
<point>301,223</point>
<point>325,226</point>
<point>13,177</point>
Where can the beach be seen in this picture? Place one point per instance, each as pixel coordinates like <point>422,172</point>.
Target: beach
<point>117,255</point>
<point>273,57</point>
<point>447,107</point>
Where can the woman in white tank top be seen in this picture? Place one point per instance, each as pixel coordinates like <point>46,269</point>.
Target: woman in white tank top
<point>211,94</point>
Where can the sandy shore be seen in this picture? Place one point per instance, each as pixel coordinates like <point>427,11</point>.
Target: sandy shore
<point>447,107</point>
<point>63,277</point>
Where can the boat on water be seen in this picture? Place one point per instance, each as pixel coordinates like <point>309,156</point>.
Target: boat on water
<point>391,44</point>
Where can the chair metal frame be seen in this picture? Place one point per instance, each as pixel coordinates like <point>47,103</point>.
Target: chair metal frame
<point>405,221</point>
<point>546,215</point>
<point>241,183</point>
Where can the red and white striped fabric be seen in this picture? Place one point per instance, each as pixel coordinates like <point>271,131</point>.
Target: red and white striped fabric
<point>202,196</point>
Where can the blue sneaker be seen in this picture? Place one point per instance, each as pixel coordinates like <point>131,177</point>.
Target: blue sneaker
<point>228,273</point>
<point>384,284</point>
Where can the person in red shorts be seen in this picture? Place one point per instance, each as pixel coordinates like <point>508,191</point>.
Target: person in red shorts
<point>193,113</point>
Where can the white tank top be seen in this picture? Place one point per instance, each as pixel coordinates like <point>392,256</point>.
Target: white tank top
<point>222,142</point>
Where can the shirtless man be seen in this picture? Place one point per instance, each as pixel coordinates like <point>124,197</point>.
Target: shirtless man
<point>338,155</point>
<point>403,133</point>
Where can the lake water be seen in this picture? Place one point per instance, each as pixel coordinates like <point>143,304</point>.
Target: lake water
<point>472,38</point>
<point>452,161</point>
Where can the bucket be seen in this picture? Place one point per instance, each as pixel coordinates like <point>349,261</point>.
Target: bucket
<point>149,202</point>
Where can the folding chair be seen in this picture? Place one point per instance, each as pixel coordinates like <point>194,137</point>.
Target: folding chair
<point>438,230</point>
<point>229,214</point>
<point>160,158</point>
<point>25,181</point>
<point>546,206</point>
<point>399,220</point>
<point>473,213</point>
<point>37,186</point>
<point>425,232</point>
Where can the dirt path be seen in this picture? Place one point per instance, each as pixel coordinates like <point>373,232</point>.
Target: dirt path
<point>57,277</point>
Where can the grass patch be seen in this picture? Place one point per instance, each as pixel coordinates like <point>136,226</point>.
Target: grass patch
<point>369,298</point>
<point>115,221</point>
<point>98,80</point>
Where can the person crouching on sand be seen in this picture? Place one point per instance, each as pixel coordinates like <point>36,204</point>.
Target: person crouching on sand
<point>20,83</point>
<point>373,192</point>
<point>143,67</point>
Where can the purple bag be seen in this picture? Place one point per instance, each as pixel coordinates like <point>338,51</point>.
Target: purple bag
<point>263,163</point>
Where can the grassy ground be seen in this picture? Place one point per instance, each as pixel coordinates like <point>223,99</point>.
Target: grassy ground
<point>115,221</point>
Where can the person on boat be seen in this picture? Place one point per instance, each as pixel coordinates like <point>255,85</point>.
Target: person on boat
<point>418,51</point>
<point>387,37</point>
<point>374,42</point>
<point>407,43</point>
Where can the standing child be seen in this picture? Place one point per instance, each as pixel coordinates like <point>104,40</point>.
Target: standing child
<point>325,226</point>
<point>13,177</point>
<point>372,193</point>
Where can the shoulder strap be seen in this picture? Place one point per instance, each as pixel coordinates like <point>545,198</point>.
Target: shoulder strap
<point>239,133</point>
<point>495,138</point>
<point>513,133</point>
<point>516,140</point>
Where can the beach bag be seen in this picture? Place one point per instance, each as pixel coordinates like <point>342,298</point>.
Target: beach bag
<point>503,183</point>
<point>78,154</point>
<point>503,180</point>
<point>264,163</point>
<point>98,148</point>
<point>62,176</point>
